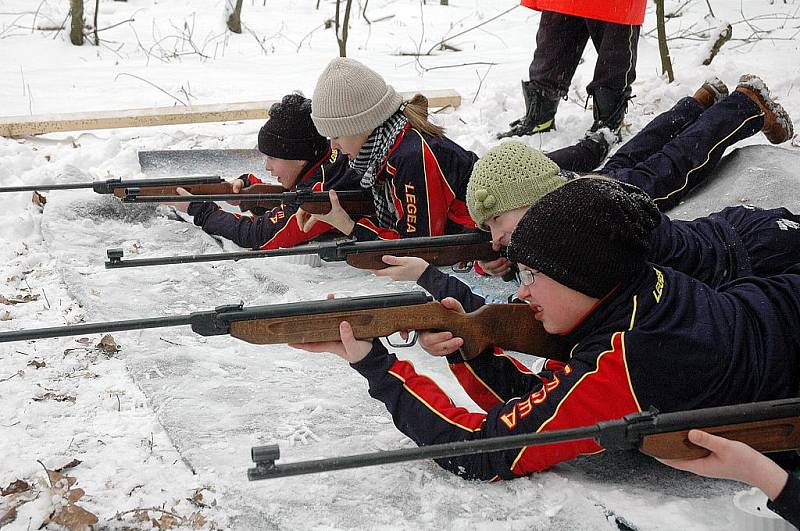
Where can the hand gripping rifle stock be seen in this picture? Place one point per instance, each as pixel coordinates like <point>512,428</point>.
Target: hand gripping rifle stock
<point>766,426</point>
<point>505,325</point>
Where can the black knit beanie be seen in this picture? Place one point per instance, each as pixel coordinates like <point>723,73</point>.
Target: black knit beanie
<point>290,134</point>
<point>590,234</point>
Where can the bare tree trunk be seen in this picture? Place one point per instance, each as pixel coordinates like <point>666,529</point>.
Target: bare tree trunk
<point>235,20</point>
<point>666,62</point>
<point>341,29</point>
<point>76,28</point>
<point>96,9</point>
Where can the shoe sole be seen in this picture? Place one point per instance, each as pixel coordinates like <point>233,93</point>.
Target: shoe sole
<point>778,126</point>
<point>543,127</point>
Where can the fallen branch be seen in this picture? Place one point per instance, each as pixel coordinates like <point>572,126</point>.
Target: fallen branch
<point>724,36</point>
<point>459,65</point>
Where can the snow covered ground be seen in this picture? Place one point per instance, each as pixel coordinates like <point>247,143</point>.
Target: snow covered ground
<point>166,422</point>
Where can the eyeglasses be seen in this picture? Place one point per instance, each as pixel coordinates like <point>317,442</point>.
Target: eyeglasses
<point>525,277</point>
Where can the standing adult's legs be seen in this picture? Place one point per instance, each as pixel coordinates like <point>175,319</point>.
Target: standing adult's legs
<point>560,42</point>
<point>614,71</point>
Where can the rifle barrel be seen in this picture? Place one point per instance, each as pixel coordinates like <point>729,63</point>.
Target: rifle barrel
<point>93,328</point>
<point>108,185</point>
<point>37,187</point>
<point>437,451</point>
<point>115,259</point>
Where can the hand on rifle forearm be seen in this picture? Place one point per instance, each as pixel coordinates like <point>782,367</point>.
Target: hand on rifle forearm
<point>183,207</point>
<point>349,348</point>
<point>236,187</point>
<point>442,343</point>
<point>337,218</point>
<point>402,267</point>
<point>496,268</point>
<point>733,460</point>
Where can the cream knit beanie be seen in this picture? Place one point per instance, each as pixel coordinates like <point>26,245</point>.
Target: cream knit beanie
<point>509,176</point>
<point>350,98</point>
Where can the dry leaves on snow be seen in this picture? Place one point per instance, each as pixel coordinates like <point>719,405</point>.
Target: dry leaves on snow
<point>37,364</point>
<point>68,513</point>
<point>15,495</point>
<point>163,520</point>
<point>15,487</point>
<point>59,488</point>
<point>107,345</point>
<point>19,299</point>
<point>54,396</point>
<point>38,199</point>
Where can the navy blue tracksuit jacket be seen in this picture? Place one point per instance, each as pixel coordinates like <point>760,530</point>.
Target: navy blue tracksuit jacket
<point>664,340</point>
<point>427,176</point>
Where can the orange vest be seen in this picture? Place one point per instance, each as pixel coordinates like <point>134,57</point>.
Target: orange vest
<point>628,12</point>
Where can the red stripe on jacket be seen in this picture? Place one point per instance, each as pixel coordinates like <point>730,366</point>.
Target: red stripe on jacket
<point>431,395</point>
<point>602,394</point>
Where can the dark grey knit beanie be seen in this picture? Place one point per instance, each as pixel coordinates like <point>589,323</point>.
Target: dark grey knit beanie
<point>589,234</point>
<point>289,133</point>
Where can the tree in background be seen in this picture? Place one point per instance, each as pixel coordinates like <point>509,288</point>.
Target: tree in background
<point>235,19</point>
<point>342,27</point>
<point>76,27</point>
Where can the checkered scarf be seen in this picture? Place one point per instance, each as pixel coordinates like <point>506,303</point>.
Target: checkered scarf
<point>369,160</point>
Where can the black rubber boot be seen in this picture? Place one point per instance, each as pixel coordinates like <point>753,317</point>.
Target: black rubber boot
<point>540,114</point>
<point>609,109</point>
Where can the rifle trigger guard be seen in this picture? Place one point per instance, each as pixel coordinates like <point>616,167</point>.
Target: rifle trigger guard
<point>412,340</point>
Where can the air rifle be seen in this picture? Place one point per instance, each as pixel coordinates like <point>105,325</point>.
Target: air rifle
<point>355,202</point>
<point>118,187</point>
<point>766,426</point>
<point>202,184</point>
<point>213,188</point>
<point>436,250</point>
<point>510,326</point>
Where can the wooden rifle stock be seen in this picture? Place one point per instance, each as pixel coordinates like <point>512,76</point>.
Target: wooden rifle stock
<point>199,189</point>
<point>509,326</point>
<point>765,436</point>
<point>209,189</point>
<point>354,207</point>
<point>443,255</point>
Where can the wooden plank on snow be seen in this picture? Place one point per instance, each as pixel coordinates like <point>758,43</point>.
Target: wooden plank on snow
<point>14,126</point>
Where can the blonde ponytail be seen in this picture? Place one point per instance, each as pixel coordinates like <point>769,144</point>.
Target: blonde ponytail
<point>416,110</point>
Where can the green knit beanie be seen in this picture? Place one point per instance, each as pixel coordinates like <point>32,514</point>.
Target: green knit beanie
<point>509,176</point>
